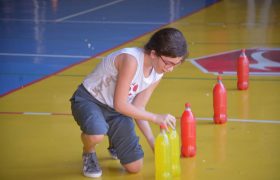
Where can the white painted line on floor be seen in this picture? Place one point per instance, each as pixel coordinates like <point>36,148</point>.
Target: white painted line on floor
<point>43,55</point>
<point>116,22</point>
<point>89,22</point>
<point>242,120</point>
<point>37,113</point>
<point>87,11</point>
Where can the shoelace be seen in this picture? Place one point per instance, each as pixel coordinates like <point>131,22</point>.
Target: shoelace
<point>91,162</point>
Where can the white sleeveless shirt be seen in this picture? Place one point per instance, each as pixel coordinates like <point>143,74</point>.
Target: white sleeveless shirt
<point>102,81</point>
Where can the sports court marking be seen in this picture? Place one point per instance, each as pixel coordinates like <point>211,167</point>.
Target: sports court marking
<point>43,55</point>
<point>87,11</point>
<point>197,118</point>
<point>242,120</point>
<point>88,22</point>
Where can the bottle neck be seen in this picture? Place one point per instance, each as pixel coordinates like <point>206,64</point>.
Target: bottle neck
<point>163,131</point>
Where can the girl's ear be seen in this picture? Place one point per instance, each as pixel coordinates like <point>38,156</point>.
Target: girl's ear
<point>153,54</point>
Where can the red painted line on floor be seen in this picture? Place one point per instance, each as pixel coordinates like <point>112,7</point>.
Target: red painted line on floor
<point>11,113</point>
<point>178,118</point>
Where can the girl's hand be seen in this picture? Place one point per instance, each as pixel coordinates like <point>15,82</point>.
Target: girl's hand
<point>166,119</point>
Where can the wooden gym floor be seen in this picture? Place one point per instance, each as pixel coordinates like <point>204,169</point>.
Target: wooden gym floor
<point>48,47</point>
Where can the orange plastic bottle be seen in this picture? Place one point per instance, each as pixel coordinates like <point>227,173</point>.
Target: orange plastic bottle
<point>188,133</point>
<point>175,152</point>
<point>242,71</point>
<point>162,155</point>
<point>220,102</point>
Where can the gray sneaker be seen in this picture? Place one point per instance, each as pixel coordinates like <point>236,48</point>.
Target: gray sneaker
<point>91,167</point>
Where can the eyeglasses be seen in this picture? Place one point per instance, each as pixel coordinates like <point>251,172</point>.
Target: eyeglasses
<point>170,64</point>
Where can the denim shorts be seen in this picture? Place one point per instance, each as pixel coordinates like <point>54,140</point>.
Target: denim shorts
<point>95,118</point>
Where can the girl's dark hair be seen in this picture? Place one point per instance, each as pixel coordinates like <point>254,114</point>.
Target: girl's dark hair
<point>168,42</point>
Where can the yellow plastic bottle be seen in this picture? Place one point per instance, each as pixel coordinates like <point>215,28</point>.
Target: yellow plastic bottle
<point>162,156</point>
<point>175,152</point>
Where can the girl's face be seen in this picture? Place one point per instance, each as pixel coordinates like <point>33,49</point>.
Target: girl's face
<point>168,64</point>
<point>164,64</point>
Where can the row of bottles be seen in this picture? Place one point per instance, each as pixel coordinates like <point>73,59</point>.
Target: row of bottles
<point>167,146</point>
<point>220,93</point>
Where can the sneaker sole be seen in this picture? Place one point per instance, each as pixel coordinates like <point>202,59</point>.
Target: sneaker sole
<point>112,156</point>
<point>95,175</point>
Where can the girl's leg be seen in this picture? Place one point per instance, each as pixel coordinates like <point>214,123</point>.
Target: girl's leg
<point>126,143</point>
<point>90,141</point>
<point>134,166</point>
<point>91,166</point>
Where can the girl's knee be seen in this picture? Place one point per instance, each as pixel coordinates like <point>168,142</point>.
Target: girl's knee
<point>134,167</point>
<point>92,138</point>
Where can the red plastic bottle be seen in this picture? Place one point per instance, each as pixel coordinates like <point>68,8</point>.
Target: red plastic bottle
<point>220,102</point>
<point>188,133</point>
<point>242,71</point>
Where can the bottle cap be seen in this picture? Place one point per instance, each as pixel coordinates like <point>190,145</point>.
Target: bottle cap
<point>163,126</point>
<point>243,52</point>
<point>187,105</point>
<point>219,78</point>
